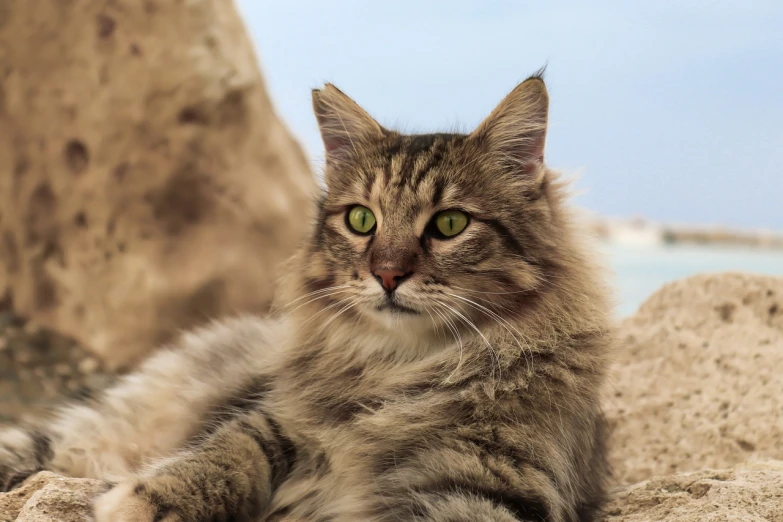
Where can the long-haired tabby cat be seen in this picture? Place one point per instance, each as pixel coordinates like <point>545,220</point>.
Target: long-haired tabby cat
<point>436,356</point>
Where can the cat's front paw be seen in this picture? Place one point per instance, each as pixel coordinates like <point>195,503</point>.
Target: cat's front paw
<point>22,453</point>
<point>135,501</point>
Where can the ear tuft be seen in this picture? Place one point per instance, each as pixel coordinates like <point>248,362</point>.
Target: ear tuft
<point>342,122</point>
<point>515,131</point>
<point>539,74</point>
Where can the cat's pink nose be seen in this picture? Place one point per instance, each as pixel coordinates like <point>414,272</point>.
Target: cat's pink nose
<point>390,278</point>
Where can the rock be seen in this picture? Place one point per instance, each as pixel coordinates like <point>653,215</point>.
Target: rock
<point>698,385</point>
<point>147,184</point>
<point>39,368</point>
<point>47,497</point>
<point>751,493</point>
<point>698,382</point>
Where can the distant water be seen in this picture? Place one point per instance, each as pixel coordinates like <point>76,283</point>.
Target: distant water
<point>641,270</point>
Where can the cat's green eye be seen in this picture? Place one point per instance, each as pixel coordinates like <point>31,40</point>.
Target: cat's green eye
<point>451,222</point>
<point>361,219</point>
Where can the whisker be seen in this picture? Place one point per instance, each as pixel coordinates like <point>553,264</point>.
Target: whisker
<point>335,316</point>
<point>320,291</point>
<point>470,323</point>
<point>435,325</point>
<point>488,293</point>
<point>326,309</point>
<point>492,302</point>
<point>457,337</point>
<point>502,322</point>
<point>316,299</point>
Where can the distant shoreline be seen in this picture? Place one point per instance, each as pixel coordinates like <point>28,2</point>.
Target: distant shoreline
<point>640,231</point>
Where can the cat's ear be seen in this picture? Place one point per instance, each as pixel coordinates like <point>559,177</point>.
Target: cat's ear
<point>342,123</point>
<point>515,132</point>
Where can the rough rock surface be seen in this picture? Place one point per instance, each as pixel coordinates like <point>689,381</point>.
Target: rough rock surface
<point>145,181</point>
<point>698,380</point>
<point>48,497</point>
<point>750,493</point>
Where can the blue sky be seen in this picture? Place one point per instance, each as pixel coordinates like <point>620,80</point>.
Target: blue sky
<point>671,110</point>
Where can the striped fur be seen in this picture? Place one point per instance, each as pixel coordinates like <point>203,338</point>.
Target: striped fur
<point>475,399</point>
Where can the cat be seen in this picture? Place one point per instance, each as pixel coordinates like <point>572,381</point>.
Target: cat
<point>436,353</point>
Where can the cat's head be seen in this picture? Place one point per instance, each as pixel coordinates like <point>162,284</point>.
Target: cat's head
<point>430,229</point>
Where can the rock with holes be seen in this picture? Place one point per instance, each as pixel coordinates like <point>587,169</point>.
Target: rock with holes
<point>48,497</point>
<point>748,493</point>
<point>698,381</point>
<point>145,182</point>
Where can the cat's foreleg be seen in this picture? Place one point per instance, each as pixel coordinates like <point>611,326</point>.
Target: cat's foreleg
<point>147,414</point>
<point>230,475</point>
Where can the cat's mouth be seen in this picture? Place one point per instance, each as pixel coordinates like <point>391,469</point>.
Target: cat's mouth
<point>390,305</point>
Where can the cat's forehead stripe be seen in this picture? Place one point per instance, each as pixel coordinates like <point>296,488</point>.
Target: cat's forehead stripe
<point>435,157</point>
<point>409,157</point>
<point>414,159</point>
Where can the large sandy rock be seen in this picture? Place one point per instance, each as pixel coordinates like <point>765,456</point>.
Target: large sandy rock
<point>47,497</point>
<point>145,181</point>
<point>698,381</point>
<point>751,493</point>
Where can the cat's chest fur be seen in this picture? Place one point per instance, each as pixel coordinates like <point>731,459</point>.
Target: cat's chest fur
<point>323,390</point>
<point>340,381</point>
<point>347,414</point>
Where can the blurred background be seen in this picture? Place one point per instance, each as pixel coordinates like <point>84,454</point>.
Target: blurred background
<point>668,113</point>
